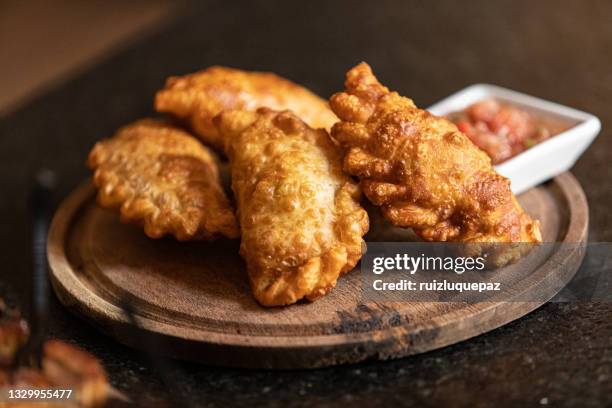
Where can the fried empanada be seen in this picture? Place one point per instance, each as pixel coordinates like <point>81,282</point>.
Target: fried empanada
<point>197,98</point>
<point>163,178</point>
<point>300,217</point>
<point>423,172</point>
<point>64,367</point>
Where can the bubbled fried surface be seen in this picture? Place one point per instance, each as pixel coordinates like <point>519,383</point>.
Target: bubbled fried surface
<point>300,217</point>
<point>164,179</point>
<point>197,98</point>
<point>422,171</point>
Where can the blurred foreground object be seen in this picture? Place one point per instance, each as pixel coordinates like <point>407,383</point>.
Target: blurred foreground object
<point>64,366</point>
<point>14,333</point>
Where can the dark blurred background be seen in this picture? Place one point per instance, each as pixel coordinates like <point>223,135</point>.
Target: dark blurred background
<point>72,71</point>
<point>43,42</point>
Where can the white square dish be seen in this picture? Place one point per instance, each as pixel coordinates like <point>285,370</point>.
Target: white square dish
<point>544,160</point>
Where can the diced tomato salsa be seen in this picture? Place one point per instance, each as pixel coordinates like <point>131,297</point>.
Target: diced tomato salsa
<point>500,129</point>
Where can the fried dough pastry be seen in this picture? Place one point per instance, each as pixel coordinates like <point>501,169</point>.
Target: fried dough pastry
<point>300,217</point>
<point>164,179</point>
<point>422,171</point>
<point>199,97</point>
<point>67,366</point>
<point>64,366</point>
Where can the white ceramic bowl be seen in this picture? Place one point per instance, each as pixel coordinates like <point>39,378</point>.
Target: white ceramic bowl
<point>544,160</point>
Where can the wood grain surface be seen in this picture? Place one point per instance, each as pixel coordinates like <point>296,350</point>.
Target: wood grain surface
<point>193,299</point>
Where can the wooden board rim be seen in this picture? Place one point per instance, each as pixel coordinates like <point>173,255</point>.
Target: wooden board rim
<point>70,291</point>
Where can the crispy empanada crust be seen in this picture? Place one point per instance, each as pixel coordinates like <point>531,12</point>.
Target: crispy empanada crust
<point>161,177</point>
<point>197,98</point>
<point>300,217</point>
<point>422,171</point>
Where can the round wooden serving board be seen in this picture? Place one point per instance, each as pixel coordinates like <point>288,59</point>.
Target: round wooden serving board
<point>194,300</point>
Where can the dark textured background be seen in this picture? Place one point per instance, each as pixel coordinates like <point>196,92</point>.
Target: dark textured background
<point>559,355</point>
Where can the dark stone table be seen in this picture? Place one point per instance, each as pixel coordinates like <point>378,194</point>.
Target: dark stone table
<point>560,355</point>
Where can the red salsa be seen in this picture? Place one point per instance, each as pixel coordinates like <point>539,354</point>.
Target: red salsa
<point>502,130</point>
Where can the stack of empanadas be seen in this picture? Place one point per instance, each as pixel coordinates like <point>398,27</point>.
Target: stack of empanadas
<point>298,206</point>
